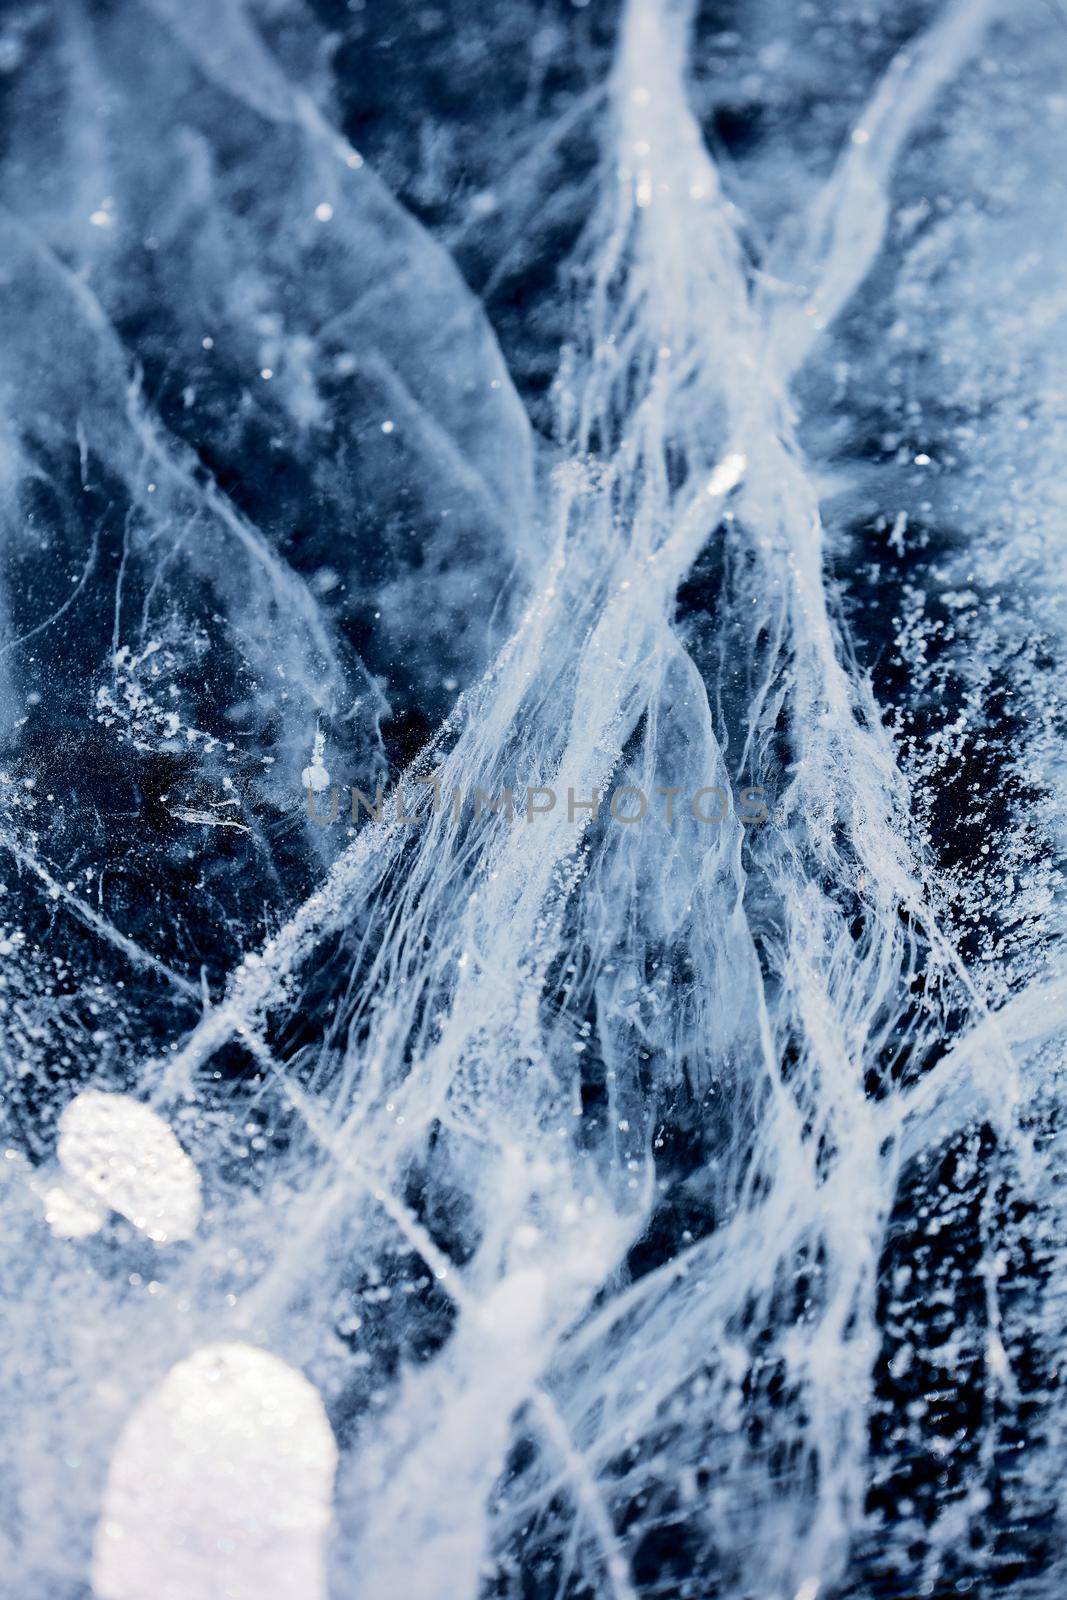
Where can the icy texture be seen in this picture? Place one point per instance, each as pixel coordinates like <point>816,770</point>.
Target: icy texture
<point>533,397</point>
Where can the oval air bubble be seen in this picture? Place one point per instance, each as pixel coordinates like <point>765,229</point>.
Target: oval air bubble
<point>221,1485</point>
<point>116,1154</point>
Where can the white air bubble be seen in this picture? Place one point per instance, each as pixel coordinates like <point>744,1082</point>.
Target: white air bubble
<point>220,1487</point>
<point>118,1155</point>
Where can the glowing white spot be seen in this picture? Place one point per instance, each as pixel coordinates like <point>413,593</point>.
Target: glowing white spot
<point>727,475</point>
<point>860,136</point>
<point>71,1216</point>
<point>315,776</point>
<point>118,1155</point>
<point>922,460</point>
<point>220,1485</point>
<point>808,1589</point>
<point>266,372</point>
<point>324,211</point>
<point>387,427</point>
<point>101,219</point>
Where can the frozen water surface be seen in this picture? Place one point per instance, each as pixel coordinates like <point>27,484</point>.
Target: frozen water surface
<point>412,1192</point>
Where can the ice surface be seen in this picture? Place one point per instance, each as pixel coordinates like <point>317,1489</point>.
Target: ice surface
<point>465,1200</point>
